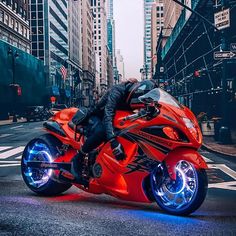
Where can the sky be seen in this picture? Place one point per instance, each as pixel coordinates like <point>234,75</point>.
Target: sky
<point>128,15</point>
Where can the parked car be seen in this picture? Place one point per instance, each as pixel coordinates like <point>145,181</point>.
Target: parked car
<point>36,113</point>
<point>57,107</point>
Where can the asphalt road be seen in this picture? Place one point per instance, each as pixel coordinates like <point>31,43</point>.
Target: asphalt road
<point>79,213</point>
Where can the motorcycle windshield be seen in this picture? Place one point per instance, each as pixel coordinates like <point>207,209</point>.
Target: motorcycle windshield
<point>159,95</point>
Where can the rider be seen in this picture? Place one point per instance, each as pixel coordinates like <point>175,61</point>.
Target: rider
<point>101,119</point>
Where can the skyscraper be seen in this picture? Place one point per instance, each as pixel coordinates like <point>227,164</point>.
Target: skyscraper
<point>157,22</point>
<point>49,35</point>
<point>100,38</point>
<point>111,37</point>
<point>172,12</point>
<point>88,52</point>
<point>14,24</point>
<point>120,65</point>
<point>147,38</point>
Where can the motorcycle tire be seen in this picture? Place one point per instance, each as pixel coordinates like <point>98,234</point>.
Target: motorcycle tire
<point>51,187</point>
<point>196,200</point>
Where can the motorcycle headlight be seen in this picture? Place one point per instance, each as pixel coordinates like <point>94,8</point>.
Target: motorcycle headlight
<point>189,124</point>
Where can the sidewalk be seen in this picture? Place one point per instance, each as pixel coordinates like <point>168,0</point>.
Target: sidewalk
<point>211,145</point>
<point>10,121</point>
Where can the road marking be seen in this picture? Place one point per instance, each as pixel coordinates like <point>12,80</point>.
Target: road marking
<point>207,159</point>
<point>18,158</point>
<point>11,152</point>
<point>9,165</point>
<point>4,148</point>
<point>231,185</point>
<point>224,168</point>
<point>5,135</point>
<point>17,127</point>
<point>9,162</point>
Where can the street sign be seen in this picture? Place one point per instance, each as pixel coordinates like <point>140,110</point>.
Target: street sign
<point>233,47</point>
<point>224,55</point>
<point>222,19</point>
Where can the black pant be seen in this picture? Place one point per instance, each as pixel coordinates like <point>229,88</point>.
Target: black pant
<point>96,134</point>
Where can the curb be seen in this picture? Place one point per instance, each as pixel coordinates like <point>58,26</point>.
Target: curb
<point>13,123</point>
<point>206,147</point>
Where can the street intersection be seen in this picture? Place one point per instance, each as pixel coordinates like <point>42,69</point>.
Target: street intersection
<point>22,212</point>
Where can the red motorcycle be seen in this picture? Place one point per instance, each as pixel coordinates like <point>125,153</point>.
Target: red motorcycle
<point>161,142</point>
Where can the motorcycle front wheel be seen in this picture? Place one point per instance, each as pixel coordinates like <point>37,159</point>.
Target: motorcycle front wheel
<point>183,195</point>
<point>45,149</point>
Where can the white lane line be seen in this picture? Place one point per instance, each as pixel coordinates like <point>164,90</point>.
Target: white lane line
<point>207,159</point>
<point>9,162</point>
<point>17,127</point>
<point>4,148</point>
<point>18,158</point>
<point>5,135</point>
<point>224,168</point>
<point>11,152</point>
<point>9,165</point>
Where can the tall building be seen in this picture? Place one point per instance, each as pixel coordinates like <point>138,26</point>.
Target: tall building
<point>147,38</point>
<point>75,71</point>
<point>14,24</point>
<point>172,13</point>
<point>50,39</point>
<point>157,22</point>
<point>88,60</point>
<point>120,65</point>
<point>111,38</point>
<point>100,39</point>
<point>74,32</point>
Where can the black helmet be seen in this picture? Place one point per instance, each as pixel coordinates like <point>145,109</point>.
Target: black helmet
<point>138,90</point>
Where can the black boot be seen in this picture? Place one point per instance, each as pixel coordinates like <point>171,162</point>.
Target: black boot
<point>77,166</point>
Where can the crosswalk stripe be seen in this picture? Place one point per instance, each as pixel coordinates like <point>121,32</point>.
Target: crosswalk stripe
<point>18,158</point>
<point>207,159</point>
<point>11,152</point>
<point>17,127</point>
<point>4,148</point>
<point>9,165</point>
<point>9,162</point>
<point>5,135</point>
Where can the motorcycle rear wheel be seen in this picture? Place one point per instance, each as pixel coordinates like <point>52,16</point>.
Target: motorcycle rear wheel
<point>182,196</point>
<point>43,148</point>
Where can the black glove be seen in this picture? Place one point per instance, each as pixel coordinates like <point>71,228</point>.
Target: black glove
<point>118,150</point>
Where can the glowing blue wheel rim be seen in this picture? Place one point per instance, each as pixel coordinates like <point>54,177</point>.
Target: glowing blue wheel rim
<point>179,193</point>
<point>36,177</point>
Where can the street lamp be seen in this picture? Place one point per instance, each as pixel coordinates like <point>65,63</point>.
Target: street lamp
<point>14,55</point>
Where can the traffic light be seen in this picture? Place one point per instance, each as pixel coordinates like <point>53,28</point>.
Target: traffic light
<point>197,74</point>
<point>16,88</point>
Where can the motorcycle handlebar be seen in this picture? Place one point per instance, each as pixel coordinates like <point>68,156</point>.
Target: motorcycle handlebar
<point>141,113</point>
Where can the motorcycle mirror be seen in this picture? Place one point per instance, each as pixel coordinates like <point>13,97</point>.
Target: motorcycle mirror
<point>146,100</point>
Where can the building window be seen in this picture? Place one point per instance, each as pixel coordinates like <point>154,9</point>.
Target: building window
<point>1,15</point>
<point>12,23</point>
<point>16,26</point>
<point>21,29</point>
<point>6,19</point>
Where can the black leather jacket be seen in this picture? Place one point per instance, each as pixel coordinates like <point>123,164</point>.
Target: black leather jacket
<point>114,99</point>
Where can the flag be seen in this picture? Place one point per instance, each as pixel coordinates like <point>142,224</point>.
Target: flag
<point>63,72</point>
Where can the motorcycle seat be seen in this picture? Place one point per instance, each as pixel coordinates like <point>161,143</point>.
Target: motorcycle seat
<point>80,116</point>
<point>77,128</point>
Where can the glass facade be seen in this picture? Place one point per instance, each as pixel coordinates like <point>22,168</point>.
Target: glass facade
<point>49,34</point>
<point>147,36</point>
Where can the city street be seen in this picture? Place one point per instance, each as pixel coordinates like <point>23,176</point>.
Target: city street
<point>79,213</point>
